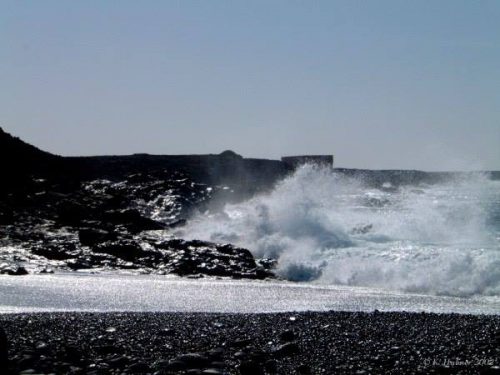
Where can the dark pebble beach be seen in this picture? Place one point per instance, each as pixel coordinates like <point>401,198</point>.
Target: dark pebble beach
<point>253,344</point>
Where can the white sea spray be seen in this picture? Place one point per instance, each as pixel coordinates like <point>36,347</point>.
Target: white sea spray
<point>324,227</point>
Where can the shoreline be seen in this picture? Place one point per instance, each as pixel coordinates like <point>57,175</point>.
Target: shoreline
<point>276,343</point>
<point>149,293</point>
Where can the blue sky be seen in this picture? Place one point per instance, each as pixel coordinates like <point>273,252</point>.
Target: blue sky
<point>380,84</point>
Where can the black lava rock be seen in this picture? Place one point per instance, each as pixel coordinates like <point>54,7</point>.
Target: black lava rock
<point>13,270</point>
<point>132,220</point>
<point>123,249</point>
<point>93,213</point>
<point>91,237</point>
<point>56,250</point>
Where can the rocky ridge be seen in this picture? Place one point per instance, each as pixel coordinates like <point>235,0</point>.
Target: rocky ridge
<point>117,213</point>
<point>121,225</point>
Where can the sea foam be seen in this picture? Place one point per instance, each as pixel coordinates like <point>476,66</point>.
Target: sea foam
<point>324,227</point>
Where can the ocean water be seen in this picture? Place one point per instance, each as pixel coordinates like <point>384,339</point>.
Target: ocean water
<point>116,292</point>
<point>329,229</point>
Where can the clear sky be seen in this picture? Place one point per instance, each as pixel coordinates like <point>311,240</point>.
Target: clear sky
<point>380,84</point>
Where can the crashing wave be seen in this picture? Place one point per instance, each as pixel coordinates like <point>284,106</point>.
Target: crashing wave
<point>328,228</point>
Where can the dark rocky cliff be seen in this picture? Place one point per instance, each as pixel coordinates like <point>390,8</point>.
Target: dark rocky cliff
<point>21,161</point>
<point>117,212</point>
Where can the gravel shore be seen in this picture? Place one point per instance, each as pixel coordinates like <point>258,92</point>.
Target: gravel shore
<point>285,343</point>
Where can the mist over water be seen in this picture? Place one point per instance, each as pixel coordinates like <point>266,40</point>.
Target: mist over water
<point>324,227</point>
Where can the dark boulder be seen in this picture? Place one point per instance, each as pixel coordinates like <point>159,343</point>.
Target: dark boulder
<point>201,257</point>
<point>128,250</point>
<point>56,250</point>
<point>71,212</point>
<point>79,264</point>
<point>91,237</point>
<point>132,220</point>
<point>12,270</point>
<point>267,263</point>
